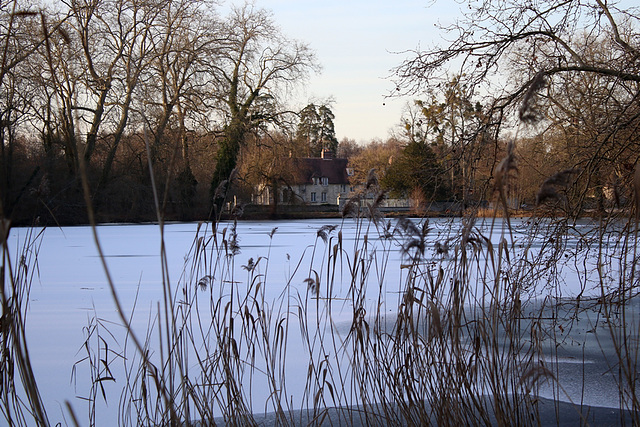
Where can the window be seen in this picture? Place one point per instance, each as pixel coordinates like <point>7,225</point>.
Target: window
<point>325,181</point>
<point>313,196</point>
<point>343,188</point>
<point>324,197</point>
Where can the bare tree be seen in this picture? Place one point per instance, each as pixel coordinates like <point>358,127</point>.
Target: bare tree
<point>255,67</point>
<point>490,36</point>
<point>516,50</point>
<point>135,25</point>
<point>593,120</point>
<point>181,40</point>
<point>376,155</point>
<point>172,66</point>
<point>25,31</point>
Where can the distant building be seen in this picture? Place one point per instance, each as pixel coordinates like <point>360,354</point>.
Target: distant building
<point>311,181</point>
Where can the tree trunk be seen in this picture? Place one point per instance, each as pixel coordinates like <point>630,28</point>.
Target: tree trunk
<point>227,157</point>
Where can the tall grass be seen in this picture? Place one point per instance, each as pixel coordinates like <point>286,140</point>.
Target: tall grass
<point>469,339</point>
<point>20,400</point>
<point>475,330</point>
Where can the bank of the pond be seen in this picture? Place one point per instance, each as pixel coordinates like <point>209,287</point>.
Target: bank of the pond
<point>284,212</point>
<point>548,413</point>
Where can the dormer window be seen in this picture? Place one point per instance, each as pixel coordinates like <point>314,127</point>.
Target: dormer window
<point>325,181</point>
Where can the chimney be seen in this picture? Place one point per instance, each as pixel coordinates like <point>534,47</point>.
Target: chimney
<point>326,154</point>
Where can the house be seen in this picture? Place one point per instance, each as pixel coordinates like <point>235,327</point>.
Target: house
<point>309,180</point>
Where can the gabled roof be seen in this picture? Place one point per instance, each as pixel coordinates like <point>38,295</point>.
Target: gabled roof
<point>307,168</point>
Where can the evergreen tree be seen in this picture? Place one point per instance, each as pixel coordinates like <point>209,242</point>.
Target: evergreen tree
<point>316,129</point>
<point>327,129</point>
<point>308,132</point>
<point>416,169</point>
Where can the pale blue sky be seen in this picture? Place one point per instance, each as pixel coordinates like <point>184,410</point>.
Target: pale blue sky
<point>354,41</point>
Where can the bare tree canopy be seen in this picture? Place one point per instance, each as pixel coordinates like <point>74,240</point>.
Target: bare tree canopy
<point>570,67</point>
<point>253,72</point>
<point>545,36</point>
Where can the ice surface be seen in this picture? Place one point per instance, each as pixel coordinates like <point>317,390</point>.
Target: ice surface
<point>70,285</point>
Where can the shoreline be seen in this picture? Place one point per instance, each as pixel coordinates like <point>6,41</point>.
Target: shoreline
<point>550,413</point>
<point>252,212</point>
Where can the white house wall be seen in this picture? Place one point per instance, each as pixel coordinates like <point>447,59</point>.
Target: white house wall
<point>332,191</point>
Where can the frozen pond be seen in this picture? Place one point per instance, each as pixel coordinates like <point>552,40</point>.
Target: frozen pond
<point>70,289</point>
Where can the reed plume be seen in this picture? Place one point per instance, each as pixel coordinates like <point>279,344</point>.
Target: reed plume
<point>352,207</point>
<point>504,169</point>
<point>528,112</point>
<point>636,189</point>
<point>549,188</point>
<point>372,180</point>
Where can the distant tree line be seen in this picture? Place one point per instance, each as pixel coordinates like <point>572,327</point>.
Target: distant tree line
<point>109,90</point>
